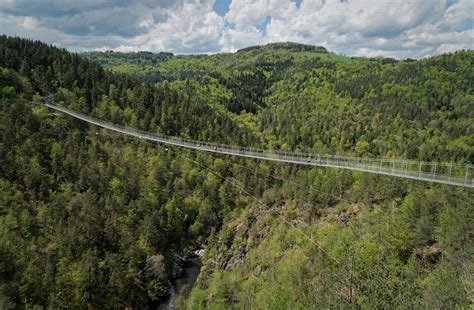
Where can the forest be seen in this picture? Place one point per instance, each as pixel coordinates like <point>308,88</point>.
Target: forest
<point>91,219</point>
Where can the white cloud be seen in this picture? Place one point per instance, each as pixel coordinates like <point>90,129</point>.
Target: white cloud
<point>233,39</point>
<point>387,28</point>
<point>29,23</point>
<point>404,28</point>
<point>449,48</point>
<point>456,15</point>
<point>244,13</point>
<point>194,28</point>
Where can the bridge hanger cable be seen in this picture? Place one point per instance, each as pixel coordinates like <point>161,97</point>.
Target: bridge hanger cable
<point>452,174</point>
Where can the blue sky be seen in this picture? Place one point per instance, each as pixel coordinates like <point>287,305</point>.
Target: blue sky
<point>403,28</point>
<point>221,7</point>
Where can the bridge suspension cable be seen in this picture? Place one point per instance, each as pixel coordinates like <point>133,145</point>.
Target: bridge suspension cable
<point>444,173</point>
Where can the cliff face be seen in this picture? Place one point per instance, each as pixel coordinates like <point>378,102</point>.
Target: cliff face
<point>370,253</point>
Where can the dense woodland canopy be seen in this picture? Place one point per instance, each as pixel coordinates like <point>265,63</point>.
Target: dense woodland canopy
<point>91,219</point>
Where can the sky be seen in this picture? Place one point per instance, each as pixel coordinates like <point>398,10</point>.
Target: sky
<point>390,28</point>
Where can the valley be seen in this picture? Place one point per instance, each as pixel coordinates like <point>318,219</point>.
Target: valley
<point>91,218</point>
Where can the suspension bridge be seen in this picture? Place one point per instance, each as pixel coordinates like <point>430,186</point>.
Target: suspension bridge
<point>444,173</point>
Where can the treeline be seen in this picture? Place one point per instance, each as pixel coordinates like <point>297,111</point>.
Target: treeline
<point>93,219</point>
<point>111,58</point>
<point>290,46</point>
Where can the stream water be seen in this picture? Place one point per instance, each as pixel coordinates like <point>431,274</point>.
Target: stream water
<point>191,270</point>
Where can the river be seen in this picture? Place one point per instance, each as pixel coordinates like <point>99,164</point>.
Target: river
<point>191,270</point>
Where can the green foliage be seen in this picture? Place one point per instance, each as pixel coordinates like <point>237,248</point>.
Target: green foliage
<point>92,219</point>
<point>290,46</point>
<point>300,98</point>
<point>88,220</point>
<point>373,260</point>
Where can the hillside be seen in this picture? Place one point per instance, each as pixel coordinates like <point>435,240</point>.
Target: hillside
<point>93,219</point>
<point>379,107</point>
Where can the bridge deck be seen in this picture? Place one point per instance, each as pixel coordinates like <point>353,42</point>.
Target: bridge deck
<point>444,173</point>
